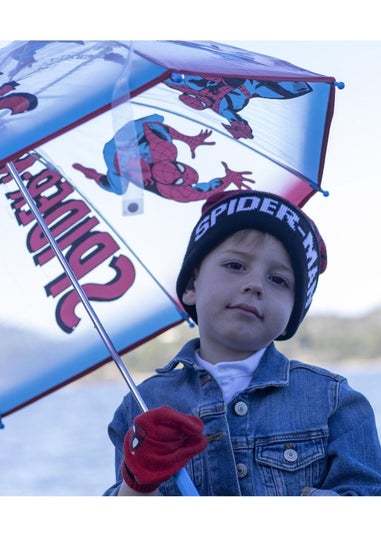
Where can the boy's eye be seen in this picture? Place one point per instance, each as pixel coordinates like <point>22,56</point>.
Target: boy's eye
<point>234,265</point>
<point>278,280</point>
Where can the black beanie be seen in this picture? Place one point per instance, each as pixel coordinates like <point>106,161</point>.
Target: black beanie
<point>228,212</point>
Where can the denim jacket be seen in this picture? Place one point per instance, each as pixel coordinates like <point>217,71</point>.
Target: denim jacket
<point>295,430</point>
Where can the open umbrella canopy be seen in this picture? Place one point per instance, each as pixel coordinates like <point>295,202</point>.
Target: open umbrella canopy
<point>118,143</point>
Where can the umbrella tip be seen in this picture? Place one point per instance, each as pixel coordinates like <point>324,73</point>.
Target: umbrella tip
<point>339,84</point>
<point>187,319</point>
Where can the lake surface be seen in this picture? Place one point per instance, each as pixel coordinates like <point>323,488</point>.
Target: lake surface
<point>59,445</point>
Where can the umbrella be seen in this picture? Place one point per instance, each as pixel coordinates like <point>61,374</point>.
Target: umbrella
<point>108,148</point>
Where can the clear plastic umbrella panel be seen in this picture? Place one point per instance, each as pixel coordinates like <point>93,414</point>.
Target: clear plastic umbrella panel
<point>117,144</point>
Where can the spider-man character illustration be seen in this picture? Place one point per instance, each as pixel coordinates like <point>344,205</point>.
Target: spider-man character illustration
<point>228,96</point>
<point>156,160</point>
<point>16,102</point>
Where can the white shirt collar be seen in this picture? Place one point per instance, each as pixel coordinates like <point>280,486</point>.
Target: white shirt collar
<point>232,376</point>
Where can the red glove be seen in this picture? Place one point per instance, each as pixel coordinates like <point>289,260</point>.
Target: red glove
<point>159,443</point>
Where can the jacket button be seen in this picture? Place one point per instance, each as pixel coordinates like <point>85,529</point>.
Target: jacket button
<point>241,470</point>
<point>290,455</point>
<point>240,408</point>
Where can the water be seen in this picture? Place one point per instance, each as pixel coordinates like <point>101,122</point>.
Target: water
<point>59,445</point>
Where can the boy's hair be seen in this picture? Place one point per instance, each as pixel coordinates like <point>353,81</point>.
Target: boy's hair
<point>228,212</point>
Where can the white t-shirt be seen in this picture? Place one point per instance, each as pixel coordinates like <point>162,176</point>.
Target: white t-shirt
<point>232,376</point>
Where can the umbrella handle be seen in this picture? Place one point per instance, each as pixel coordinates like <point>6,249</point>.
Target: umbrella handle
<point>183,480</point>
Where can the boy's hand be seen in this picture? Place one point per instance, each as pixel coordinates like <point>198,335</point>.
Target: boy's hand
<point>159,443</point>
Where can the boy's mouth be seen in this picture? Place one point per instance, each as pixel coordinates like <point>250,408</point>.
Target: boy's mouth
<point>248,309</point>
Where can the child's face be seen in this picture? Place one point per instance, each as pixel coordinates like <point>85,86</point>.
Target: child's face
<point>244,295</point>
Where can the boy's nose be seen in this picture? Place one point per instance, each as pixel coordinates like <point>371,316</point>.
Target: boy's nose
<point>254,286</point>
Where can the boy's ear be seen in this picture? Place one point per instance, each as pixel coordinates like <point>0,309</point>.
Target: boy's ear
<point>189,297</point>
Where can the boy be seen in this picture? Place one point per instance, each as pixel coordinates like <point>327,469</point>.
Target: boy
<point>243,418</point>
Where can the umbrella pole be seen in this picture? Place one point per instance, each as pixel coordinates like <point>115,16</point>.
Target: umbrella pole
<point>183,480</point>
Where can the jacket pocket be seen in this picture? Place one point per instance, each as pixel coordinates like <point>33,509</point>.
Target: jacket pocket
<point>291,461</point>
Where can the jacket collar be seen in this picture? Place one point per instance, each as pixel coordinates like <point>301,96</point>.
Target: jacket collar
<point>272,371</point>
